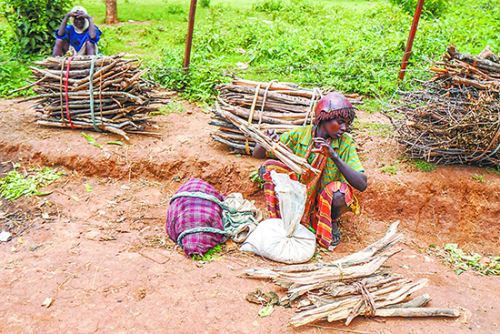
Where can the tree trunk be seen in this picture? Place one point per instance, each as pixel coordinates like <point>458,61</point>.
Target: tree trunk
<point>111,12</point>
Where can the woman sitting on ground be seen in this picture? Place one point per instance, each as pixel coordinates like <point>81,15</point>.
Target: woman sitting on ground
<point>329,148</point>
<point>79,38</point>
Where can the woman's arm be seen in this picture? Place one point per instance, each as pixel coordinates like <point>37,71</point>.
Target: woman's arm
<point>356,179</point>
<point>62,28</point>
<point>92,28</point>
<point>259,152</point>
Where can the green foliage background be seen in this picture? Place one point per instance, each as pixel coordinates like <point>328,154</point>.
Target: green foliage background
<point>353,46</point>
<point>26,30</point>
<point>33,23</point>
<point>434,8</point>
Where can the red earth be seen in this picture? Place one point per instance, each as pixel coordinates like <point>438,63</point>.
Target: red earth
<point>103,257</point>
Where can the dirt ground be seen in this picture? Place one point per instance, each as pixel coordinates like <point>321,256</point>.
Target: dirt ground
<point>104,259</point>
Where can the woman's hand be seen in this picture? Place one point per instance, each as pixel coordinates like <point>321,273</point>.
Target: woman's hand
<point>273,135</point>
<point>259,152</point>
<point>322,146</point>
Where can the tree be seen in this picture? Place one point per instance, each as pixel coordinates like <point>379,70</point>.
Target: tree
<point>111,12</point>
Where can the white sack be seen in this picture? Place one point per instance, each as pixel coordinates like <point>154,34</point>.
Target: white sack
<point>284,240</point>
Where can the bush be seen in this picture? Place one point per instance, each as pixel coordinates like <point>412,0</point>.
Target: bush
<point>34,22</point>
<point>205,3</point>
<point>269,6</point>
<point>13,74</point>
<point>432,8</point>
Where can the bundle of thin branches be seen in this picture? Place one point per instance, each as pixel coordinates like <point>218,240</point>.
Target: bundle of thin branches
<point>351,286</point>
<point>455,117</point>
<point>268,105</point>
<point>297,164</point>
<point>95,93</point>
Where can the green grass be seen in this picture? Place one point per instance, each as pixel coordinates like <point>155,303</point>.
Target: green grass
<point>172,107</point>
<point>390,169</point>
<point>16,184</point>
<point>14,73</point>
<point>353,46</point>
<point>478,178</point>
<point>423,165</point>
<point>373,128</point>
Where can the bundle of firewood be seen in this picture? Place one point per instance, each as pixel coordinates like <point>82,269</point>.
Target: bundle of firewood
<point>266,105</point>
<point>355,285</point>
<point>94,93</point>
<point>455,117</point>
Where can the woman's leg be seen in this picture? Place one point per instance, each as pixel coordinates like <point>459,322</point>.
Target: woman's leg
<point>339,207</point>
<point>333,201</point>
<point>60,48</point>
<point>90,49</point>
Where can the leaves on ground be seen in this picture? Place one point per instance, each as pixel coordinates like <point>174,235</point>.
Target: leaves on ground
<point>267,300</point>
<point>266,311</point>
<point>210,255</point>
<point>91,140</point>
<point>88,187</point>
<point>16,184</point>
<point>115,142</point>
<point>255,178</point>
<point>462,261</point>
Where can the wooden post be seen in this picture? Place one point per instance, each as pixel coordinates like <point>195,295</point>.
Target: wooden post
<point>411,37</point>
<point>189,37</point>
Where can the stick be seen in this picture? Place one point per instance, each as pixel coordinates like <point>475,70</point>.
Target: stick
<point>417,312</point>
<point>416,302</point>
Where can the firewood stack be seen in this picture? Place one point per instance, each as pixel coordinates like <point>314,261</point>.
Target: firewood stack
<point>267,105</point>
<point>455,117</point>
<point>100,93</point>
<point>352,286</point>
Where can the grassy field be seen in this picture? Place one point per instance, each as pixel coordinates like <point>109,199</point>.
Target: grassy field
<point>353,46</point>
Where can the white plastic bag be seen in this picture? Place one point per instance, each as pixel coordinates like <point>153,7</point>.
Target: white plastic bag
<point>284,240</point>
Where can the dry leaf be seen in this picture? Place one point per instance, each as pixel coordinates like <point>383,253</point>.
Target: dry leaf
<point>266,311</point>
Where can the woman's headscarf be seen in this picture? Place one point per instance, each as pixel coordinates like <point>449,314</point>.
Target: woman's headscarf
<point>72,19</point>
<point>334,106</point>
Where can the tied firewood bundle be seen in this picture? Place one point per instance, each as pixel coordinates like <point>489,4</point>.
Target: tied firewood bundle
<point>352,286</point>
<point>455,117</point>
<point>100,93</point>
<point>246,110</point>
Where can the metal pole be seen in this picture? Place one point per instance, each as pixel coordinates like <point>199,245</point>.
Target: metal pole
<point>189,38</point>
<point>411,37</point>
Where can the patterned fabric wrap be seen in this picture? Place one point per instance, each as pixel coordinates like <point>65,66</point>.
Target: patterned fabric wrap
<point>187,213</point>
<point>334,106</point>
<point>272,202</point>
<point>321,218</point>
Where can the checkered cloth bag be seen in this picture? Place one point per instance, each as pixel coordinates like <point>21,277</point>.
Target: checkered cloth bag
<point>196,223</point>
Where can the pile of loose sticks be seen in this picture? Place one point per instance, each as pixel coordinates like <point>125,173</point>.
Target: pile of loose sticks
<point>355,285</point>
<point>106,94</point>
<point>455,117</point>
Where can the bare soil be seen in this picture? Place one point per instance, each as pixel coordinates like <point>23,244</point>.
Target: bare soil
<point>104,259</point>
